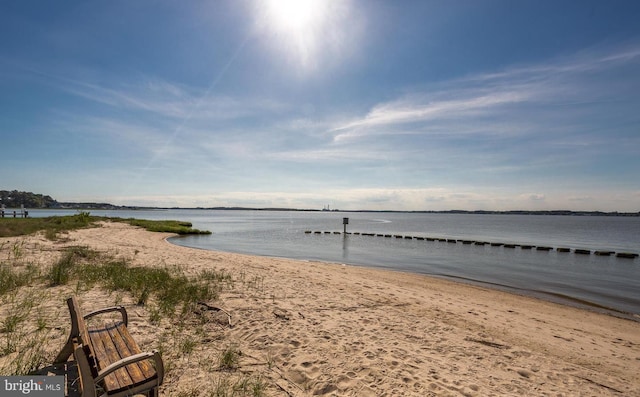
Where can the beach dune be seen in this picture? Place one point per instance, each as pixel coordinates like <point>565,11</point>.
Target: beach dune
<point>305,328</point>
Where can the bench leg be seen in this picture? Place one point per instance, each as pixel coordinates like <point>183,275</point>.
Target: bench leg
<point>65,353</point>
<point>68,348</point>
<point>84,371</point>
<point>154,392</point>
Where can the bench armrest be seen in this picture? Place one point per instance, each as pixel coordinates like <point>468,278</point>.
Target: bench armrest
<point>152,355</point>
<point>121,309</point>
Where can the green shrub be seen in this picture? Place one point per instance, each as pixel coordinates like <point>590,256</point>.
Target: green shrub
<point>167,226</point>
<point>171,289</point>
<point>11,279</point>
<point>60,272</point>
<point>63,270</point>
<point>51,225</point>
<point>230,358</point>
<point>55,224</point>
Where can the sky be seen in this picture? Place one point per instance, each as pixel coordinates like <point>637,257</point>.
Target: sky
<point>352,104</point>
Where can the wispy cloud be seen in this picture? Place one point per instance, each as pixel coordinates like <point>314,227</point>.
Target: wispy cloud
<point>590,60</point>
<point>481,103</point>
<point>168,120</point>
<point>172,100</point>
<point>411,110</point>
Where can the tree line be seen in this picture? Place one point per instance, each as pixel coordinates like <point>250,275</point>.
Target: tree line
<point>14,199</point>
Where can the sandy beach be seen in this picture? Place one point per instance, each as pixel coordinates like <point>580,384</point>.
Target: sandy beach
<point>308,328</point>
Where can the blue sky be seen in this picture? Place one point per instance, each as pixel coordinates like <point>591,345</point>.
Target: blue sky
<point>400,105</point>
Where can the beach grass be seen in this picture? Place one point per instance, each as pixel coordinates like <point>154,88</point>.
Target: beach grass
<point>53,225</point>
<point>246,386</point>
<point>168,287</point>
<point>165,290</point>
<point>11,227</point>
<point>165,226</point>
<point>230,358</point>
<point>24,333</point>
<point>12,278</point>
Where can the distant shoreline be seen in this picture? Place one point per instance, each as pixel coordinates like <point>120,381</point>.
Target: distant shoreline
<point>107,207</point>
<point>10,200</point>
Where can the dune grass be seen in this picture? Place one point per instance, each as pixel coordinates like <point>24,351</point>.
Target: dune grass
<point>168,286</point>
<point>11,227</point>
<point>170,297</point>
<point>12,279</point>
<point>171,291</point>
<point>168,226</point>
<point>25,334</point>
<point>53,225</point>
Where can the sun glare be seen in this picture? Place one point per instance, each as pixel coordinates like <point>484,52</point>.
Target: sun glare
<point>310,32</point>
<point>295,15</point>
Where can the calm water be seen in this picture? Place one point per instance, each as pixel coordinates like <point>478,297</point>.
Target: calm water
<point>596,281</point>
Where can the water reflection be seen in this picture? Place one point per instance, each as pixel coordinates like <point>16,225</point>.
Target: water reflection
<point>345,247</point>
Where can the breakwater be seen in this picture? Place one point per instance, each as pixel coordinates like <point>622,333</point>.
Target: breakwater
<point>577,251</point>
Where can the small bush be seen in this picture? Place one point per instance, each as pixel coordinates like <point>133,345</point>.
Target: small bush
<point>30,357</point>
<point>168,226</point>
<point>83,252</point>
<point>15,337</point>
<point>51,234</point>
<point>55,224</point>
<point>243,387</point>
<point>60,272</point>
<point>10,323</point>
<point>83,217</point>
<point>63,270</point>
<point>11,279</point>
<point>230,358</point>
<point>187,346</point>
<point>171,289</point>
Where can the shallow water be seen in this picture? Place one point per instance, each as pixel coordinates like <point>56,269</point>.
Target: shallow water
<point>600,282</point>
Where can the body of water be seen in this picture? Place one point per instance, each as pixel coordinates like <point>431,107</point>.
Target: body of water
<point>604,283</point>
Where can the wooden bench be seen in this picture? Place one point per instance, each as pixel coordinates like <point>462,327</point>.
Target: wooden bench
<point>109,361</point>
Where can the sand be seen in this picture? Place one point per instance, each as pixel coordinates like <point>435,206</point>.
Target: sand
<point>308,328</point>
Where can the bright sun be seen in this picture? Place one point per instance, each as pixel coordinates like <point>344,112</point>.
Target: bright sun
<point>309,32</point>
<point>295,16</point>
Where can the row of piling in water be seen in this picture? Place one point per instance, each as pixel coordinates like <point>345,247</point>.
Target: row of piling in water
<point>579,251</point>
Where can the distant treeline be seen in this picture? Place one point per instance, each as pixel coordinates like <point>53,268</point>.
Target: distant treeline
<point>14,199</point>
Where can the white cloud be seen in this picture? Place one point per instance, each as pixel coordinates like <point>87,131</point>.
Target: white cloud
<point>482,103</point>
<point>416,109</point>
<point>536,197</point>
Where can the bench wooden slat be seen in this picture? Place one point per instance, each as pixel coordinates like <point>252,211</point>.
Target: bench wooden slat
<point>99,351</point>
<point>108,354</point>
<point>127,347</point>
<point>141,370</point>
